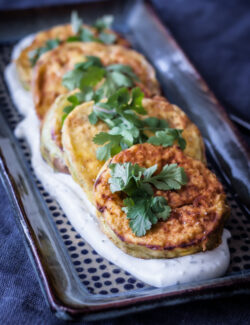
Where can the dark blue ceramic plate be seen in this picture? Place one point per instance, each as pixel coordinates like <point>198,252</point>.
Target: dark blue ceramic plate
<point>76,281</point>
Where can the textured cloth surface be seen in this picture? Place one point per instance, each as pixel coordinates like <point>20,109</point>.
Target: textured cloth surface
<point>215,36</point>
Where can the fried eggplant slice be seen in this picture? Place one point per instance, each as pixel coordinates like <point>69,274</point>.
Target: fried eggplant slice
<point>61,33</point>
<point>51,67</point>
<point>80,151</point>
<point>50,140</point>
<point>198,210</point>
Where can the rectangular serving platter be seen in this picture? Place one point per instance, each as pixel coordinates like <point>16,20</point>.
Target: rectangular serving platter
<point>73,287</point>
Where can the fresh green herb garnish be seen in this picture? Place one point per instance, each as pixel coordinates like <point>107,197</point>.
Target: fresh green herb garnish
<point>76,22</point>
<point>153,123</point>
<point>49,45</point>
<point>92,71</point>
<point>167,138</point>
<point>121,110</point>
<point>75,100</point>
<point>87,73</point>
<point>112,147</point>
<point>142,208</point>
<point>84,34</point>
<point>107,38</point>
<point>122,113</point>
<point>103,23</point>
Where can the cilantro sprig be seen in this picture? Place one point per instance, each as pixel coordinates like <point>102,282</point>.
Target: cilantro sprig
<point>167,138</point>
<point>138,183</point>
<point>75,100</point>
<point>86,75</point>
<point>122,113</point>
<point>81,34</point>
<point>91,72</point>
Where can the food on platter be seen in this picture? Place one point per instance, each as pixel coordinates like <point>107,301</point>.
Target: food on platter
<point>146,197</point>
<point>46,40</point>
<point>156,202</point>
<point>114,66</point>
<point>160,121</point>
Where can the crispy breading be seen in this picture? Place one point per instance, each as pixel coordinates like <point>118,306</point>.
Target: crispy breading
<point>50,139</point>
<point>80,151</point>
<point>61,32</point>
<point>50,68</point>
<point>199,208</point>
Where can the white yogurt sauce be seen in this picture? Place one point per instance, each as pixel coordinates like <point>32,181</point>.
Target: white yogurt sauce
<point>80,212</point>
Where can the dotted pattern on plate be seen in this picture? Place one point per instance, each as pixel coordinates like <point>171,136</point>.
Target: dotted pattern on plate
<point>98,274</point>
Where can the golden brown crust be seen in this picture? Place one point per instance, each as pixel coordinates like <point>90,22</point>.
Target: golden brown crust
<point>50,68</point>
<point>80,151</point>
<point>199,209</point>
<point>61,32</point>
<point>159,107</point>
<point>50,139</point>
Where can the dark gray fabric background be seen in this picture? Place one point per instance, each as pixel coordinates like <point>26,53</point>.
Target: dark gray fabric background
<point>216,37</point>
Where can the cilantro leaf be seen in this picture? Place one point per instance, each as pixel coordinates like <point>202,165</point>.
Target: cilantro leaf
<point>171,177</point>
<point>142,208</point>
<point>107,38</point>
<point>136,104</point>
<point>76,22</point>
<point>118,76</point>
<point>82,34</point>
<point>84,74</point>
<point>66,112</point>
<point>91,61</point>
<point>103,22</point>
<point>91,72</point>
<point>93,118</point>
<point>92,76</point>
<point>124,177</point>
<point>167,138</point>
<point>85,34</point>
<point>137,213</point>
<point>147,173</point>
<point>122,104</point>
<point>160,207</point>
<point>119,99</point>
<point>72,79</point>
<point>72,39</point>
<point>123,69</point>
<point>153,123</point>
<point>100,112</point>
<point>143,212</point>
<point>111,147</point>
<point>76,99</point>
<point>104,153</point>
<point>120,79</point>
<point>118,113</point>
